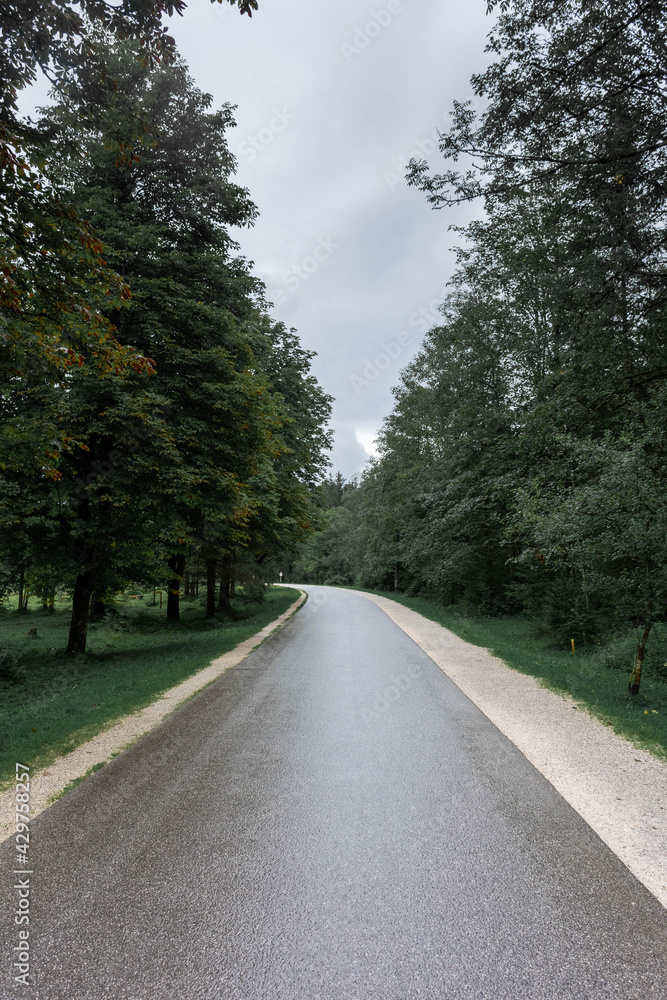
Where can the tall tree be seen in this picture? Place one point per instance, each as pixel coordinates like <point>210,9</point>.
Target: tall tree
<point>238,441</point>
<point>55,283</point>
<point>523,466</point>
<point>163,212</point>
<point>571,137</point>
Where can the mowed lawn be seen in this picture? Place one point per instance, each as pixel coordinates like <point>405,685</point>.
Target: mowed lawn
<point>51,703</point>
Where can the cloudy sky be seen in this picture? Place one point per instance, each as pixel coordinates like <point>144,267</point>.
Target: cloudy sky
<point>333,99</point>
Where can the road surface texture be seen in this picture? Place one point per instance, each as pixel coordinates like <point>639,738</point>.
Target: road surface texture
<point>331,820</point>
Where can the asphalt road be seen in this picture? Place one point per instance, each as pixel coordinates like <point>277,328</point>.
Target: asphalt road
<point>331,820</point>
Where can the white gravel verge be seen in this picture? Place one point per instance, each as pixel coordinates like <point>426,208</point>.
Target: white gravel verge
<point>46,784</point>
<point>619,790</point>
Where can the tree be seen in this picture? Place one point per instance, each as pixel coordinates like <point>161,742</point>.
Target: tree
<point>163,213</point>
<point>570,158</point>
<point>330,555</point>
<point>291,498</point>
<point>56,285</point>
<point>523,465</point>
<point>232,419</point>
<point>609,526</point>
<point>576,93</point>
<point>53,37</point>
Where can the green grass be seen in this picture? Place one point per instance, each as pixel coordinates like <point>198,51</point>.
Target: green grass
<point>596,676</point>
<point>77,781</point>
<point>51,703</point>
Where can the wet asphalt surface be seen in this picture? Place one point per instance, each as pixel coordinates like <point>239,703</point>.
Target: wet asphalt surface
<point>331,820</point>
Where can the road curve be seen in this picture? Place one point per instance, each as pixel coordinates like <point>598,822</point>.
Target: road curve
<point>331,820</point>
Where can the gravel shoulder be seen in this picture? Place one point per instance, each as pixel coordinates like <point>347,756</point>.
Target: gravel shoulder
<point>619,790</point>
<point>48,784</point>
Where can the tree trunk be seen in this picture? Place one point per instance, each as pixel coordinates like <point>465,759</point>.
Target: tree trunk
<point>78,630</point>
<point>52,599</point>
<point>210,587</point>
<point>396,576</point>
<point>225,585</point>
<point>232,581</point>
<point>636,675</point>
<point>23,596</point>
<point>176,564</point>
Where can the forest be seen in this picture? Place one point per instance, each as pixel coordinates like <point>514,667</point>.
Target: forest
<point>333,659</point>
<point>159,430</point>
<point>522,469</point>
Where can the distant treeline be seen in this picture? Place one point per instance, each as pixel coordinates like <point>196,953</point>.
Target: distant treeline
<point>523,468</point>
<point>156,422</point>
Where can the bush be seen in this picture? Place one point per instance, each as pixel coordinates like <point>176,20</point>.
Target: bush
<point>619,654</point>
<point>11,665</point>
<point>253,590</point>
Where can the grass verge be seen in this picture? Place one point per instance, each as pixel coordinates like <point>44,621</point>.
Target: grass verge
<point>51,703</point>
<point>77,781</point>
<point>596,677</point>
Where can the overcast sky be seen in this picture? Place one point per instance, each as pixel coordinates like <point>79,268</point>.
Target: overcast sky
<point>333,98</point>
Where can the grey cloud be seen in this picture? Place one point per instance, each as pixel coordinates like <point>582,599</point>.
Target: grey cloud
<point>321,137</point>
